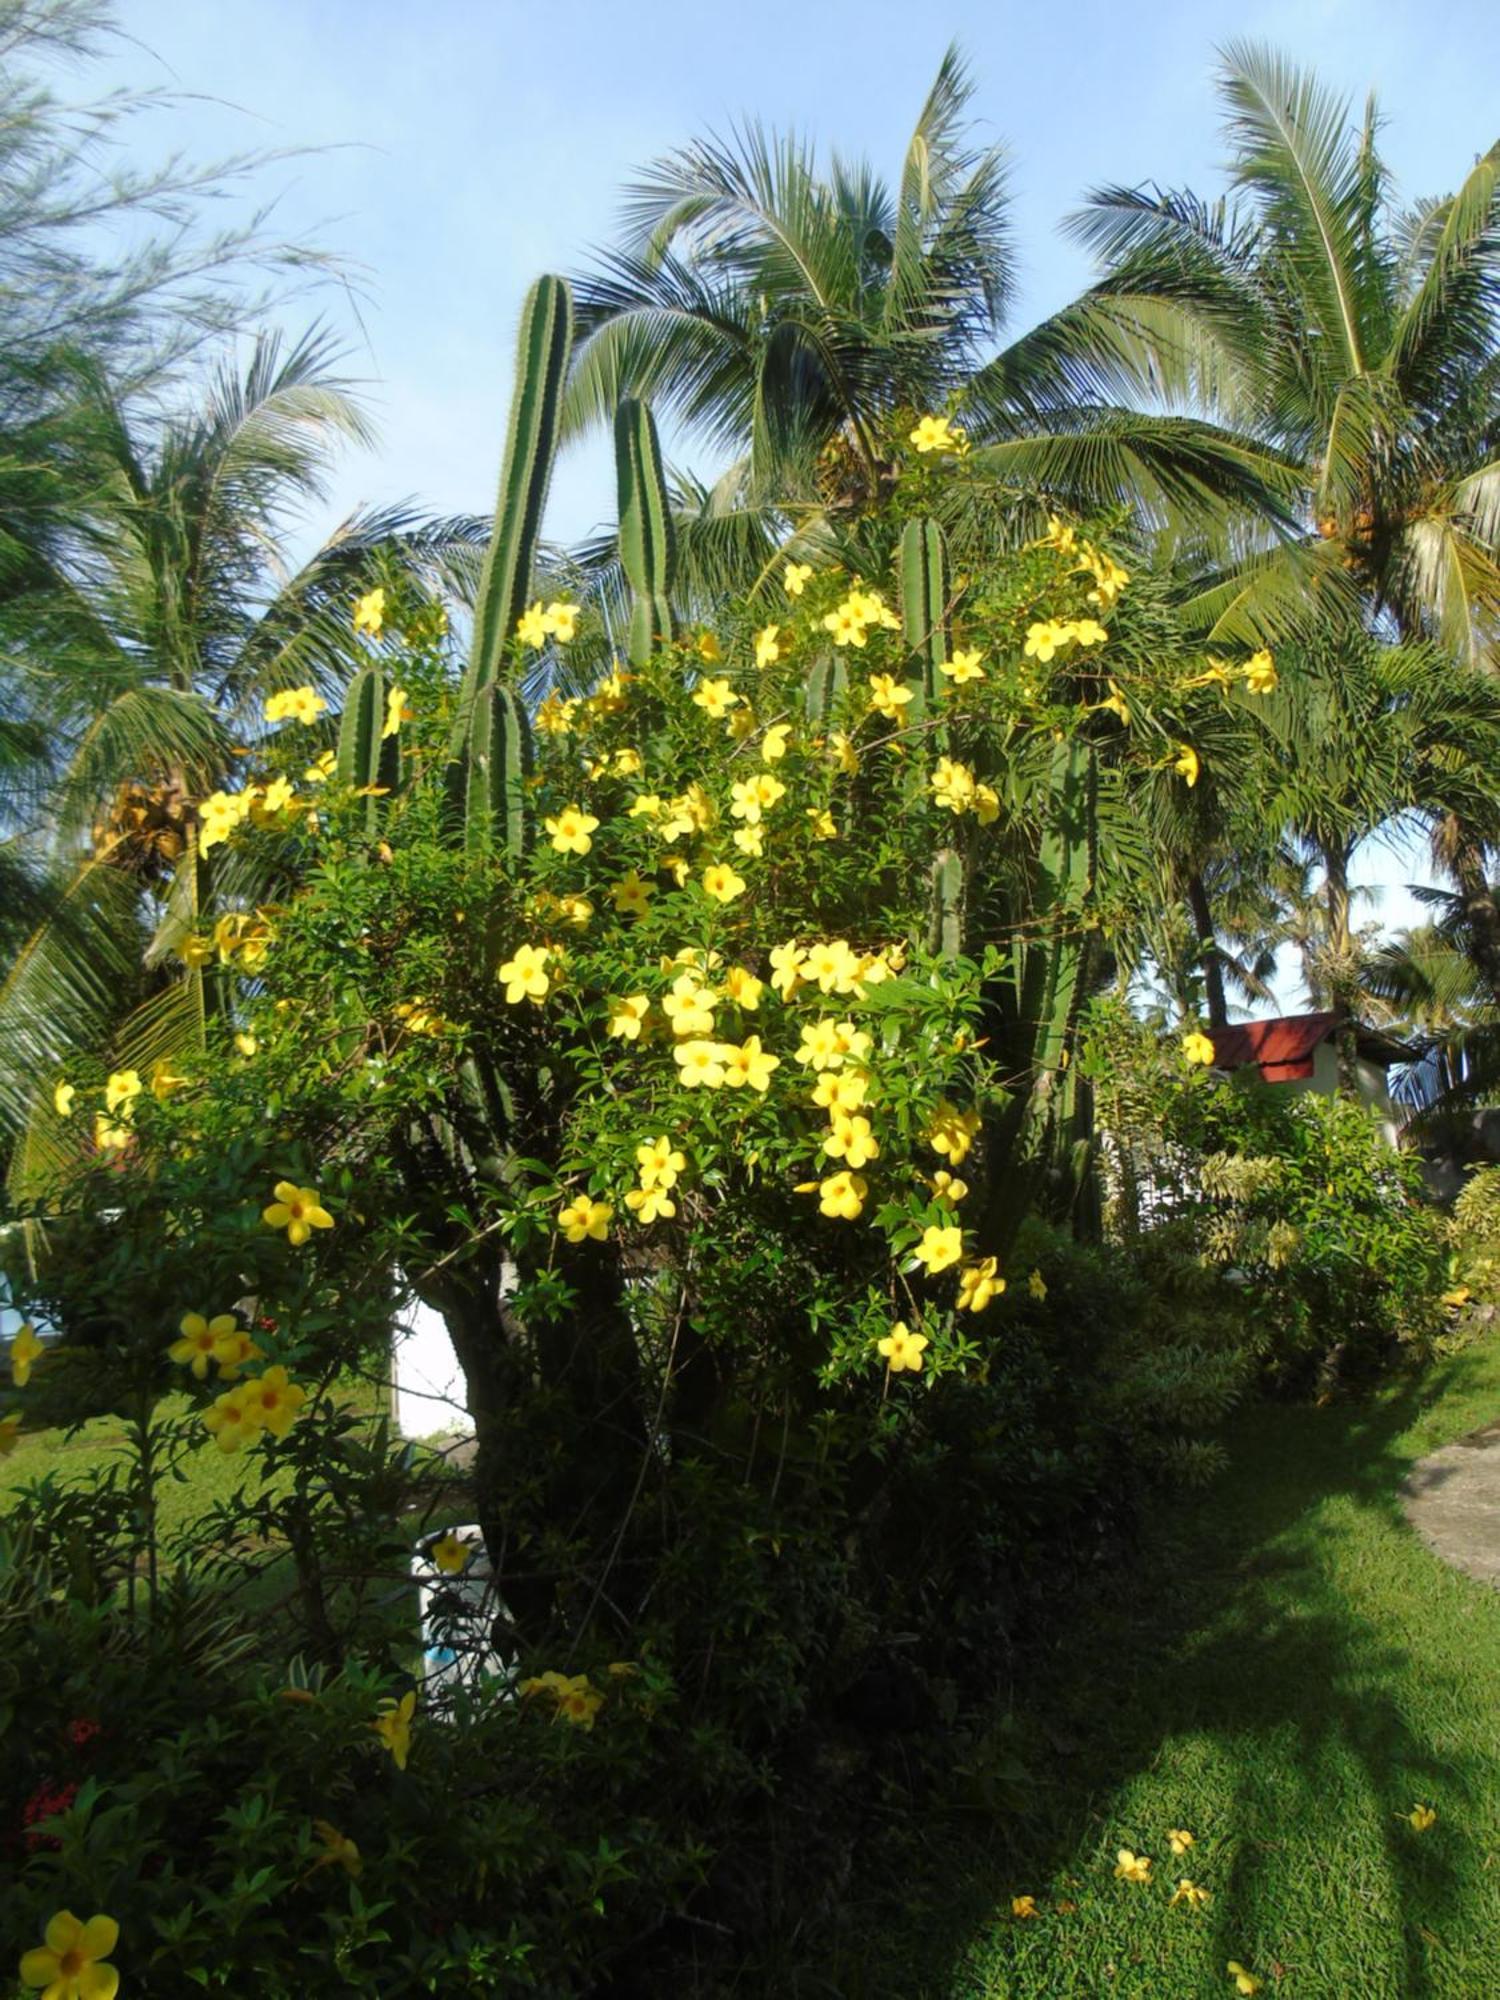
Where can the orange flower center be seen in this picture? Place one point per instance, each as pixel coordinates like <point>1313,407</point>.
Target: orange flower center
<point>70,1964</point>
<point>296,1210</point>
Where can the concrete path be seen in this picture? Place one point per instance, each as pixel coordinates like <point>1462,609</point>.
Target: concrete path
<point>1452,1499</point>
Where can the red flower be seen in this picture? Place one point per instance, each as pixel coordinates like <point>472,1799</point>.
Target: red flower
<point>82,1730</point>
<point>44,1802</point>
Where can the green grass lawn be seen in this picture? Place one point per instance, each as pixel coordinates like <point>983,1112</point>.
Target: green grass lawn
<point>1288,1670</point>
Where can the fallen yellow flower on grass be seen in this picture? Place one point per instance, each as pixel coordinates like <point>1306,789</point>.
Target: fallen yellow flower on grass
<point>1189,1894</point>
<point>1245,1982</point>
<point>902,1348</point>
<point>1132,1867</point>
<point>1179,1839</point>
<point>298,1211</point>
<point>70,1965</point>
<point>1419,1818</point>
<point>25,1351</point>
<point>1023,1906</point>
<point>393,1726</point>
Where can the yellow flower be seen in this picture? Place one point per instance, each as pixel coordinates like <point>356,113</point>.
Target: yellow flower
<point>842,1195</point>
<point>646,1204</point>
<point>609,698</point>
<point>773,743</point>
<point>1045,638</point>
<point>627,1015</point>
<point>715,698</point>
<point>840,1092</point>
<point>951,1132</point>
<point>63,1094</point>
<point>741,724</point>
<point>393,1726</point>
<point>948,1187</point>
<point>10,1433</point>
<point>820,1046</point>
<point>583,1218</point>
<point>531,626</point>
<point>1190,1894</point>
<point>449,1554</point>
<point>786,968</point>
<point>750,840</point>
<point>848,1042</point>
<point>273,1401</point>
<point>525,976</point>
<point>123,1087</point>
<point>1458,1297</point>
<point>201,1340</point>
<point>1179,1839</point>
<point>743,989</point>
<point>748,1065</point>
<point>575,1699</point>
<point>986,804</point>
<point>109,1136</point>
<point>1419,1818</point>
<point>1023,1906</point>
<point>1131,1867</point>
<point>1109,578</point>
<point>1088,632</point>
<point>952,785</point>
<point>1197,1048</point>
<point>689,1007</point>
<point>164,1079</point>
<point>795,577</point>
<point>70,1965</point>
<point>768,645</point>
<point>229,1420</point>
<point>627,763</point>
<point>1036,1284</point>
<point>571,829</point>
<point>561,622</point>
<point>632,896</point>
<point>1187,765</point>
<point>709,649</point>
<point>396,711</point>
<point>940,1246</point>
<point>339,1851</point>
<point>822,823</point>
<point>1245,1983</point>
<point>963,667</point>
<point>219,815</point>
<point>831,967</point>
<point>1260,673</point>
<point>25,1351</point>
<point>902,1348</point>
<point>978,1284</point>
<point>721,882</point>
<point>369,612</point>
<point>554,716</point>
<point>297,1210</point>
<point>888,697</point>
<point>935,434</point>
<point>232,1351</point>
<point>305,705</point>
<point>246,1043</point>
<point>700,1064</point>
<point>842,754</point>
<point>194,952</point>
<point>851,1139</point>
<point>1116,702</point>
<point>846,625</point>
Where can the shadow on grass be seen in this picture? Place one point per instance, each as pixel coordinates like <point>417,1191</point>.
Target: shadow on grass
<point>1262,1640</point>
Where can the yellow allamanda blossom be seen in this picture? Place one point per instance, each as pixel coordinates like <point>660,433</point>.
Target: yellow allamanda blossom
<point>786,968</point>
<point>524,976</point>
<point>721,883</point>
<point>822,823</point>
<point>978,1284</point>
<point>773,743</point>
<point>1022,1907</point>
<point>936,434</point>
<point>750,840</point>
<point>1197,1048</point>
<point>747,1065</point>
<point>952,785</point>
<point>962,668</point>
<point>888,697</point>
<point>700,1064</point>
<point>851,1139</point>
<point>302,704</point>
<point>689,1007</point>
<point>339,1851</point>
<point>948,1187</point>
<point>1187,765</point>
<point>1036,1284</point>
<point>840,1091</point>
<point>121,1091</point>
<point>631,896</point>
<point>571,830</point>
<point>768,646</point>
<point>1132,1867</point>
<point>202,1339</point>
<point>583,1218</point>
<point>1179,1839</point>
<point>708,649</point>
<point>449,1554</point>
<point>940,1246</point>
<point>1260,673</point>
<point>796,577</point>
<point>70,1963</point>
<point>396,711</point>
<point>952,1132</point>
<point>393,1726</point>
<point>298,1211</point>
<point>273,1401</point>
<point>63,1094</point>
<point>647,1204</point>
<point>1245,1982</point>
<point>1420,1818</point>
<point>574,1697</point>
<point>715,698</point>
<point>627,1016</point>
<point>1045,639</point>
<point>842,1195</point>
<point>743,989</point>
<point>902,1348</point>
<point>1189,1894</point>
<point>842,754</point>
<point>554,716</point>
<point>369,612</point>
<point>25,1351</point>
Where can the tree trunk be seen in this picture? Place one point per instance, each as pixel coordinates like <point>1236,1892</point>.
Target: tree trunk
<point>1465,858</point>
<point>1209,955</point>
<point>1341,964</point>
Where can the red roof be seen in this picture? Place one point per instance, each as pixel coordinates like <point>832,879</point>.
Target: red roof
<point>1283,1050</point>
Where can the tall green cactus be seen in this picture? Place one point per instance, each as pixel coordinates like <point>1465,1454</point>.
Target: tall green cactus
<point>827,688</point>
<point>487,782</point>
<point>1034,1007</point>
<point>945,924</point>
<point>924,602</point>
<point>542,350</point>
<point>367,757</point>
<point>648,546</point>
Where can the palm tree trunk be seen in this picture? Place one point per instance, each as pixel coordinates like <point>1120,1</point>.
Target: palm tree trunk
<point>1465,857</point>
<point>1341,957</point>
<point>1210,956</point>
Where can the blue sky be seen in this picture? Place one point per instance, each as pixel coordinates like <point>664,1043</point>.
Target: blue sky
<point>475,143</point>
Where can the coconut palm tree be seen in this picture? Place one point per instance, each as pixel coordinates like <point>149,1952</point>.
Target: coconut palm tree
<point>138,660</point>
<point>794,321</point>
<point>1358,340</point>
